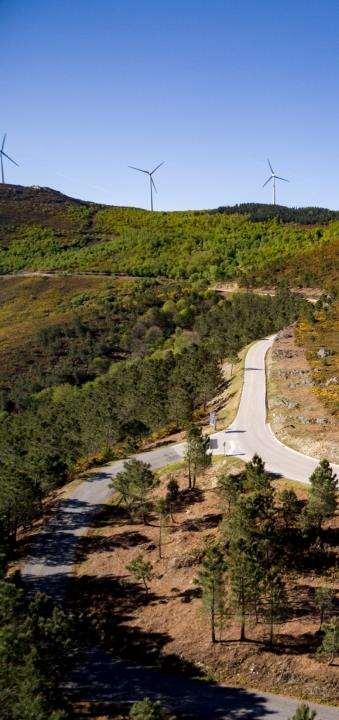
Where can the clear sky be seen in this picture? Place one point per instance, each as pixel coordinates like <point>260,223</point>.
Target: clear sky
<point>211,87</point>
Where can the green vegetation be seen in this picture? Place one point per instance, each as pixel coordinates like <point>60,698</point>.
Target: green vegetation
<point>146,709</point>
<point>330,643</point>
<point>303,712</point>
<point>92,366</point>
<point>211,581</point>
<point>68,416</point>
<point>302,216</point>
<point>36,649</point>
<point>134,485</point>
<point>197,457</point>
<point>47,231</point>
<point>324,600</point>
<point>141,570</point>
<point>322,499</point>
<point>244,571</point>
<point>319,335</point>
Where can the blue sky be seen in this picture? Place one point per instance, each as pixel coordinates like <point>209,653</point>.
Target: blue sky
<point>211,87</point>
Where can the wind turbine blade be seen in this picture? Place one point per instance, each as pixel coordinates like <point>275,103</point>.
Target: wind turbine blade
<point>9,158</point>
<point>3,141</point>
<point>153,183</point>
<point>139,169</point>
<point>267,181</point>
<point>157,167</point>
<point>270,166</point>
<point>279,178</point>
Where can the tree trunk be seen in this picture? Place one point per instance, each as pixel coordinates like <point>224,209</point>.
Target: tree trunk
<point>189,473</point>
<point>321,617</point>
<point>242,626</point>
<point>160,538</point>
<point>213,618</point>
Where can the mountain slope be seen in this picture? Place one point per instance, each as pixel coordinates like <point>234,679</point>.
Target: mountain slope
<point>41,229</point>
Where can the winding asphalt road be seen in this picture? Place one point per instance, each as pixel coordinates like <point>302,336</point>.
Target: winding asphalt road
<point>52,556</point>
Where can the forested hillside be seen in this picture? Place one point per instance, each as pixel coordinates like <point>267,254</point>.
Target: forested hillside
<point>41,229</point>
<point>88,373</point>
<point>92,365</point>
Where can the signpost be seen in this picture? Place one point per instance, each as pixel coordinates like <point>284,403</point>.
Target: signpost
<point>213,419</point>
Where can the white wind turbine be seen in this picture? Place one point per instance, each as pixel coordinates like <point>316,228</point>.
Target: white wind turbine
<point>150,174</point>
<point>4,155</point>
<point>273,177</point>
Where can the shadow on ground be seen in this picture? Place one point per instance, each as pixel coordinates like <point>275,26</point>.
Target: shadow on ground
<point>105,681</point>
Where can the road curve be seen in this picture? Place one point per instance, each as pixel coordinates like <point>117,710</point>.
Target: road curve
<point>250,433</point>
<point>52,555</point>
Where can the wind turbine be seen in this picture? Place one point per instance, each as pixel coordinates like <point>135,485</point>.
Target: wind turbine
<point>2,155</point>
<point>150,174</point>
<point>273,177</point>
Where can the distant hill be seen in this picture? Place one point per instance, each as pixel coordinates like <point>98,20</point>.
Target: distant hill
<point>302,215</point>
<point>42,229</point>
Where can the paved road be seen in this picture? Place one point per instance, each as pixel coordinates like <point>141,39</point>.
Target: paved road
<point>249,433</point>
<point>103,679</point>
<point>52,554</point>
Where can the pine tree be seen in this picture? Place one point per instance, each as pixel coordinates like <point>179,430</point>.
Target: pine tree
<point>172,494</point>
<point>197,457</point>
<point>255,476</point>
<point>324,598</point>
<point>135,483</point>
<point>290,507</point>
<point>141,570</point>
<point>322,500</point>
<point>275,599</point>
<point>245,579</point>
<point>211,580</point>
<point>163,512</point>
<point>330,643</point>
<point>229,488</point>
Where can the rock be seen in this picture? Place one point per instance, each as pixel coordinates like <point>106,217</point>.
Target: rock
<point>304,420</point>
<point>331,381</point>
<point>322,421</point>
<point>290,404</point>
<point>323,352</point>
<point>282,354</point>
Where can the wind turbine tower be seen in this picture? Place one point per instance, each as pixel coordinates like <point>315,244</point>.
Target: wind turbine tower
<point>150,174</point>
<point>273,177</point>
<point>4,155</point>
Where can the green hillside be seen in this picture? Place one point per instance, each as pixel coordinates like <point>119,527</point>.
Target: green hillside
<point>41,229</point>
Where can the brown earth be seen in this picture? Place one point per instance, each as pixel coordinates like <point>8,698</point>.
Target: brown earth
<point>168,626</point>
<point>297,415</point>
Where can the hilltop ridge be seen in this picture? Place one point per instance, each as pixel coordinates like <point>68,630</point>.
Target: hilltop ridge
<point>255,211</point>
